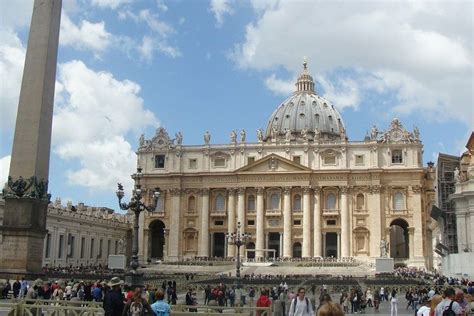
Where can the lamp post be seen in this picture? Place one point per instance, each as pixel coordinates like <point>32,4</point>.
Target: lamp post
<point>136,206</point>
<point>238,239</point>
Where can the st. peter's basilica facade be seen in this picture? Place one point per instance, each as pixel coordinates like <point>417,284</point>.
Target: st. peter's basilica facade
<point>302,190</point>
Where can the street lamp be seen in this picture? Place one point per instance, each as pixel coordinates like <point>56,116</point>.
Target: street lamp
<point>238,239</point>
<point>136,206</point>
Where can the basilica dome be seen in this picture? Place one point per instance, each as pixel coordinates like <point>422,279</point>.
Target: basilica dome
<point>305,114</point>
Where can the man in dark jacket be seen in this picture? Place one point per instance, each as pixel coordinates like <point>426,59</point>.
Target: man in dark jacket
<point>113,301</point>
<point>16,288</point>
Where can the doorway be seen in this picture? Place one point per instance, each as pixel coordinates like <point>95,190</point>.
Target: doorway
<point>331,245</point>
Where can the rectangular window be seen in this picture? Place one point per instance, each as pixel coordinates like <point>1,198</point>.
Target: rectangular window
<point>331,222</point>
<point>330,160</point>
<point>108,247</point>
<point>83,246</point>
<point>250,160</point>
<point>297,159</point>
<point>250,222</point>
<point>193,163</point>
<point>61,246</point>
<point>72,241</point>
<point>47,252</point>
<point>116,247</point>
<point>100,249</point>
<point>359,159</point>
<point>159,161</point>
<point>297,222</point>
<point>397,156</point>
<point>219,162</point>
<point>219,223</point>
<point>91,255</point>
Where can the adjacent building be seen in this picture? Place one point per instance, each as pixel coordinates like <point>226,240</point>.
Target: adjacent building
<point>303,189</point>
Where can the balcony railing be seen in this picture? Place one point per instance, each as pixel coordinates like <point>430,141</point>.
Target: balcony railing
<point>330,212</point>
<point>273,213</point>
<point>218,213</point>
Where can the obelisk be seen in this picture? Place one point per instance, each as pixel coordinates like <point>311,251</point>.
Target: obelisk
<point>26,192</point>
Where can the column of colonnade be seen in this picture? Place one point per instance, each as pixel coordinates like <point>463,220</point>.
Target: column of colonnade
<point>260,244</point>
<point>231,220</point>
<point>317,242</point>
<point>203,250</point>
<point>306,251</point>
<point>287,223</point>
<point>241,214</point>
<point>345,223</point>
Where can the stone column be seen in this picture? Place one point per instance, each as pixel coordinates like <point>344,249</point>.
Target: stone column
<point>344,223</point>
<point>203,250</point>
<point>241,214</point>
<point>317,222</point>
<point>260,225</point>
<point>231,221</point>
<point>411,243</point>
<point>419,225</point>
<point>339,246</point>
<point>375,223</point>
<point>175,231</point>
<point>306,223</point>
<point>26,193</point>
<point>287,222</point>
<point>324,244</point>
<point>281,245</point>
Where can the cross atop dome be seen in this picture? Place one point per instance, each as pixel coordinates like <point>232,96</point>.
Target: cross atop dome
<point>305,81</point>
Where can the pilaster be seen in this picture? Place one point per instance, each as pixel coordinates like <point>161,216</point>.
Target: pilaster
<point>203,250</point>
<point>287,232</point>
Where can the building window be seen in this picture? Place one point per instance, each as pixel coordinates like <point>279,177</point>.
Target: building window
<point>193,163</point>
<point>359,159</point>
<point>398,201</point>
<point>159,161</point>
<point>219,203</point>
<point>83,245</point>
<point>330,160</point>
<point>297,159</point>
<point>397,156</point>
<point>331,201</point>
<point>116,247</point>
<point>360,201</point>
<point>251,203</point>
<point>297,222</point>
<point>219,162</point>
<point>331,222</point>
<point>61,246</point>
<point>297,202</point>
<point>251,222</point>
<point>191,204</point>
<point>91,254</point>
<point>219,223</point>
<point>108,248</point>
<point>72,242</point>
<point>250,160</point>
<point>274,201</point>
<point>159,204</point>
<point>47,252</point>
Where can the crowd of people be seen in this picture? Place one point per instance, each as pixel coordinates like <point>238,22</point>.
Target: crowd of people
<point>98,269</point>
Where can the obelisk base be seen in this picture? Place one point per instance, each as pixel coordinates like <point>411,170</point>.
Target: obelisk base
<point>22,236</point>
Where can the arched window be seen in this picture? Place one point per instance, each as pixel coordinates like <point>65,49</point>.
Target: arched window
<point>159,204</point>
<point>251,203</point>
<point>191,204</point>
<point>220,202</point>
<point>297,202</point>
<point>360,201</point>
<point>331,201</point>
<point>398,201</point>
<point>274,201</point>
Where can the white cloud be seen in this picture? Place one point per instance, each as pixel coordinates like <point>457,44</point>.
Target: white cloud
<point>146,48</point>
<point>421,52</point>
<point>110,4</point>
<point>161,5</point>
<point>87,35</point>
<point>4,169</point>
<point>16,15</point>
<point>220,8</point>
<point>280,86</point>
<point>94,114</point>
<point>151,19</point>
<point>12,59</point>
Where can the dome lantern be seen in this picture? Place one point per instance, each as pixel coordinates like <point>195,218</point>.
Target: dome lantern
<point>305,81</point>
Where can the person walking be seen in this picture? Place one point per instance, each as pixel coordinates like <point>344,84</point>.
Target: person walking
<point>16,288</point>
<point>263,301</point>
<point>137,305</point>
<point>113,300</point>
<point>160,307</point>
<point>448,306</point>
<point>301,305</point>
<point>394,304</point>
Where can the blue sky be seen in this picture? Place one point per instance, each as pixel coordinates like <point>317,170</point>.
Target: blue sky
<point>126,67</point>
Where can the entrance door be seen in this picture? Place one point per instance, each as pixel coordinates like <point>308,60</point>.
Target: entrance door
<point>219,245</point>
<point>274,243</point>
<point>399,239</point>
<point>250,254</point>
<point>297,250</point>
<point>331,245</point>
<point>157,231</point>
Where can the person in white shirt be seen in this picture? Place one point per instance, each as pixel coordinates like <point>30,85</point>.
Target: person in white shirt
<point>445,304</point>
<point>301,305</point>
<point>425,309</point>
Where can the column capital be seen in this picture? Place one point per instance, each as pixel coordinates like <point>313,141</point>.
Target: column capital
<point>416,189</point>
<point>241,191</point>
<point>344,189</point>
<point>232,190</point>
<point>307,189</point>
<point>374,189</point>
<point>317,190</point>
<point>205,191</point>
<point>260,190</point>
<point>286,190</point>
<point>175,191</point>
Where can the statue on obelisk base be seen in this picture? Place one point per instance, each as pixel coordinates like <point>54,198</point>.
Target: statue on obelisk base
<point>26,192</point>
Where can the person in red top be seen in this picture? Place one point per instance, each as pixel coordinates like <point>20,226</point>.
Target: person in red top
<point>263,301</point>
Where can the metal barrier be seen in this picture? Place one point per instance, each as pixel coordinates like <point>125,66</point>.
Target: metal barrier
<point>25,307</point>
<point>186,310</point>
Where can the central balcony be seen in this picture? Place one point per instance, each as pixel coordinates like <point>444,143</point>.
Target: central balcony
<point>330,212</point>
<point>218,213</point>
<point>270,213</point>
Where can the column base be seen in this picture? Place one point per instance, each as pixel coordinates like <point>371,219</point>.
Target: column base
<point>134,280</point>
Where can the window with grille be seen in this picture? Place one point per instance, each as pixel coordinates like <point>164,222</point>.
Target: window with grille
<point>219,203</point>
<point>159,161</point>
<point>251,203</point>
<point>297,202</point>
<point>219,162</point>
<point>274,201</point>
<point>331,201</point>
<point>397,156</point>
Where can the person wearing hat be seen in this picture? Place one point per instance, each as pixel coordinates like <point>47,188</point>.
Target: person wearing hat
<point>113,300</point>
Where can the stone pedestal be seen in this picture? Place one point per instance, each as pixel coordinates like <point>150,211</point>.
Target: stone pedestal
<point>384,265</point>
<point>134,280</point>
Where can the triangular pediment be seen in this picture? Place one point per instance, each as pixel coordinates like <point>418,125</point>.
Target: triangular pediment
<point>273,163</point>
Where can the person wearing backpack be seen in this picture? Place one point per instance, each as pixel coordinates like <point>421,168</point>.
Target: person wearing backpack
<point>448,306</point>
<point>160,307</point>
<point>137,305</point>
<point>301,305</point>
